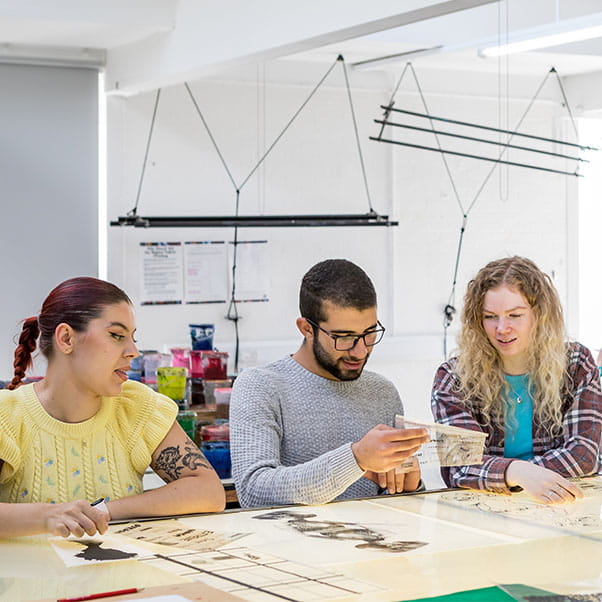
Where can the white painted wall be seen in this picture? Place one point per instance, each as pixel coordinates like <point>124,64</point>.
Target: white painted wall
<point>315,169</point>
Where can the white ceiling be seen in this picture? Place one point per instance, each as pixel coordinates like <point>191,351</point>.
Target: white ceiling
<point>145,44</point>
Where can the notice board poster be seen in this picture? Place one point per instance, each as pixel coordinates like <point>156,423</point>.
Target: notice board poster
<point>162,273</point>
<point>205,268</point>
<point>252,270</point>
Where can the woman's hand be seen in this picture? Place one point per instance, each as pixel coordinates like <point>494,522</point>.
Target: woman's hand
<point>542,484</point>
<point>75,518</point>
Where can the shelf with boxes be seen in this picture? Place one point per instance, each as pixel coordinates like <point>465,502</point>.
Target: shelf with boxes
<point>196,378</point>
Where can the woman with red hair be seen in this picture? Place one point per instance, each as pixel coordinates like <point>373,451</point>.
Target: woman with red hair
<point>84,432</point>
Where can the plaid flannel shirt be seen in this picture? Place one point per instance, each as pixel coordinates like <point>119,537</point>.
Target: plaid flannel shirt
<point>575,452</point>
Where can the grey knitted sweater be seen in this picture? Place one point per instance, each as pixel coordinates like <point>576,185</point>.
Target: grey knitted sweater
<point>291,433</point>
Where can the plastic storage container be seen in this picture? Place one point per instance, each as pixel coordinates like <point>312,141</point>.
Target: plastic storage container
<point>216,447</point>
<point>187,420</point>
<point>215,365</point>
<point>180,357</point>
<point>222,402</point>
<point>171,381</point>
<point>196,366</point>
<point>201,336</point>
<point>209,387</point>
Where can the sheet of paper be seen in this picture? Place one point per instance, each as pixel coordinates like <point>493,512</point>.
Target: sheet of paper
<point>515,515</point>
<point>206,272</point>
<point>449,445</point>
<point>162,271</point>
<point>349,531</point>
<point>252,270</point>
<point>98,548</point>
<point>253,575</point>
<point>174,533</point>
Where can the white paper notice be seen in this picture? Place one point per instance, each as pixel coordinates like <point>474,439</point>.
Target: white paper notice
<point>252,270</point>
<point>449,445</point>
<point>162,270</point>
<point>206,272</point>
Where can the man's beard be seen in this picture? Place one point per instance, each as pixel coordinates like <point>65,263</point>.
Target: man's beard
<point>331,366</point>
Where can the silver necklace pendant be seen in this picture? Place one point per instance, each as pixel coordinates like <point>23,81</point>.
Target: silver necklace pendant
<point>519,399</point>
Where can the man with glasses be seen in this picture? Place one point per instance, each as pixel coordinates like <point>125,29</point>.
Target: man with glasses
<point>314,426</point>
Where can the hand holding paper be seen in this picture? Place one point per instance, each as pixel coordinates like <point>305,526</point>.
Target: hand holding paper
<point>383,447</point>
<point>448,445</point>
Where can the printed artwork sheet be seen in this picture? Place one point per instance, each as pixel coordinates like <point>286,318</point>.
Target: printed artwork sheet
<point>175,534</point>
<point>448,445</point>
<point>78,551</point>
<point>515,515</point>
<point>138,540</point>
<point>257,576</point>
<point>342,532</point>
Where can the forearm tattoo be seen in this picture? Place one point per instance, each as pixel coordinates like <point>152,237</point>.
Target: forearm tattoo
<point>171,461</point>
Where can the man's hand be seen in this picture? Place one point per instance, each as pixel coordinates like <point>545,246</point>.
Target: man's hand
<point>383,447</point>
<point>76,518</point>
<point>396,480</point>
<point>542,484</point>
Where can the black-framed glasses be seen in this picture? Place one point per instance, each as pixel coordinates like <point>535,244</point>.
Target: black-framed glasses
<point>345,342</point>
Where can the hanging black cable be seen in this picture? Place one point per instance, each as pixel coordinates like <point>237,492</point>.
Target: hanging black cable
<point>211,137</point>
<point>449,310</point>
<point>443,157</point>
<point>568,107</point>
<point>387,109</point>
<point>357,136</point>
<point>134,211</point>
<point>290,122</point>
<point>232,314</point>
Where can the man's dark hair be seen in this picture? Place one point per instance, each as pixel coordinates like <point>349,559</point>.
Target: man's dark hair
<point>338,281</point>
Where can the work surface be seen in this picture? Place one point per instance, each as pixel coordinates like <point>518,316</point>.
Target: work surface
<point>387,548</point>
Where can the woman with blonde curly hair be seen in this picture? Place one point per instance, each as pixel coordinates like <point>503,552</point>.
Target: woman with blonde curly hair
<point>516,378</point>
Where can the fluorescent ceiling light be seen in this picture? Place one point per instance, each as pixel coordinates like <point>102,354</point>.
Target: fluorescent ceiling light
<point>544,41</point>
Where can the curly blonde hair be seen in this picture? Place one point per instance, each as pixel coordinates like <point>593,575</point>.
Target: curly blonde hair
<point>479,365</point>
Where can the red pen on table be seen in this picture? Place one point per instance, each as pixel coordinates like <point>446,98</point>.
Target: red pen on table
<point>119,592</point>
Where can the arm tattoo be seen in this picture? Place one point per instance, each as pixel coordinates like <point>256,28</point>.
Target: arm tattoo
<point>171,461</point>
<point>194,458</point>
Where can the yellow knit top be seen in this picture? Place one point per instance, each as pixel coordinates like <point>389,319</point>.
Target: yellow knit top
<point>46,460</point>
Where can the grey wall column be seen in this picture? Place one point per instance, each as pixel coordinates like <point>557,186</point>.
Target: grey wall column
<point>48,188</point>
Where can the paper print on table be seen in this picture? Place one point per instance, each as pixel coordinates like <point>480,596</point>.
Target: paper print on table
<point>349,531</point>
<point>77,551</point>
<point>449,445</point>
<point>161,273</point>
<point>513,516</point>
<point>175,534</point>
<point>254,575</point>
<point>591,486</point>
<point>583,515</point>
<point>368,538</point>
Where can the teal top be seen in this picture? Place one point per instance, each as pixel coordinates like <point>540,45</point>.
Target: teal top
<point>518,441</point>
